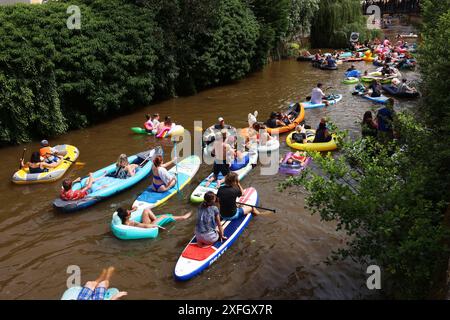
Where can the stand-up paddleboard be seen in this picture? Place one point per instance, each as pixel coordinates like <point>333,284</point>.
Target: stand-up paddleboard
<point>199,192</point>
<point>187,168</point>
<point>333,100</point>
<point>194,259</point>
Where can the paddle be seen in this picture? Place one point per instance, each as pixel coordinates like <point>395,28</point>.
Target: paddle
<point>23,155</point>
<point>257,207</point>
<point>175,139</point>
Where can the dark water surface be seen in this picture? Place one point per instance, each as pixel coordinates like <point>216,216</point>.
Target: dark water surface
<point>278,256</point>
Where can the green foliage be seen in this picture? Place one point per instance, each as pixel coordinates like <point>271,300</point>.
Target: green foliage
<point>301,13</point>
<point>382,197</point>
<point>126,54</point>
<point>335,21</point>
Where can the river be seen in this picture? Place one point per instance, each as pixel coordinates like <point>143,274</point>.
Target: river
<point>278,256</point>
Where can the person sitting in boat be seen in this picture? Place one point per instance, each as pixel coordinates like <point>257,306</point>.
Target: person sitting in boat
<point>274,121</point>
<point>68,194</point>
<point>149,220</point>
<point>299,135</point>
<point>162,179</point>
<point>318,97</point>
<point>352,68</point>
<point>208,229</point>
<point>96,290</point>
<point>318,56</point>
<point>322,133</point>
<point>386,71</point>
<point>223,156</point>
<point>375,86</point>
<point>148,125</point>
<point>35,165</point>
<point>49,154</point>
<point>331,63</point>
<point>369,127</point>
<point>123,168</point>
<point>404,88</point>
<point>221,125</point>
<point>227,195</point>
<point>165,126</point>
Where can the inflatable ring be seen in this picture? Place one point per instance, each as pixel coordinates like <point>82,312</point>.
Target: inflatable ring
<point>310,146</point>
<point>350,80</point>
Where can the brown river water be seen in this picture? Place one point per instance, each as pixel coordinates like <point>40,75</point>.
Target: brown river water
<point>278,256</point>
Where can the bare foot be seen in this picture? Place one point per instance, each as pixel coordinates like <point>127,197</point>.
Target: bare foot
<point>119,295</point>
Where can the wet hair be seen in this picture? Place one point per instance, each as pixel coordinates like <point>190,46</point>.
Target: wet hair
<point>35,157</point>
<point>158,160</point>
<point>231,179</point>
<point>67,184</point>
<point>209,199</point>
<point>122,214</point>
<point>147,116</point>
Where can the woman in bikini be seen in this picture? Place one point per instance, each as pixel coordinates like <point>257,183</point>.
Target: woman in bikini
<point>162,179</point>
<point>123,168</point>
<point>149,220</point>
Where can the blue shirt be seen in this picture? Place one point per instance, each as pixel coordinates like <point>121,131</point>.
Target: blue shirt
<point>384,117</point>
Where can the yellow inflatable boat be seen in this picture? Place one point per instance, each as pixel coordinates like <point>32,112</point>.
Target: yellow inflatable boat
<point>24,177</point>
<point>310,146</point>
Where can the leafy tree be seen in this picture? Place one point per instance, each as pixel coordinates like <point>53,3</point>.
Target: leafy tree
<point>301,14</point>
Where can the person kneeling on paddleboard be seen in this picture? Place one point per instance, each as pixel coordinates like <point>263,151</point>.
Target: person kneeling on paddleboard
<point>208,229</point>
<point>228,194</point>
<point>149,220</point>
<point>162,179</point>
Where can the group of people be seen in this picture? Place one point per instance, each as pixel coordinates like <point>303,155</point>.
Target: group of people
<point>382,126</point>
<point>322,133</point>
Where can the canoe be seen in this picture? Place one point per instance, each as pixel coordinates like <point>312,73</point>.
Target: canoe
<point>23,176</point>
<point>139,130</point>
<point>392,90</point>
<point>125,232</point>
<point>309,105</point>
<point>290,127</point>
<point>199,192</point>
<point>319,146</point>
<point>107,186</point>
<point>194,259</point>
<point>294,168</point>
<point>73,292</point>
<point>187,168</point>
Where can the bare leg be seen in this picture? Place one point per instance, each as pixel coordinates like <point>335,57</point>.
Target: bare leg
<point>105,282</point>
<point>210,180</point>
<point>219,182</point>
<point>183,217</point>
<point>93,284</point>
<point>165,188</point>
<point>248,209</point>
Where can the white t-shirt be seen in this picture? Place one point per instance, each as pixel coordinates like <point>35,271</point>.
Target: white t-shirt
<point>155,123</point>
<point>164,175</point>
<point>316,96</point>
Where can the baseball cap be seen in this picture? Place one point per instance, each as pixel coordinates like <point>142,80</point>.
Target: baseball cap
<point>44,143</point>
<point>220,119</point>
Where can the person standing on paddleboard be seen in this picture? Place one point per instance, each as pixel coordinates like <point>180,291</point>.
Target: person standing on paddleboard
<point>228,194</point>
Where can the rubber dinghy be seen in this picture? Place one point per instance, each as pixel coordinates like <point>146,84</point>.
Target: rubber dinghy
<point>187,168</point>
<point>332,99</point>
<point>199,192</point>
<point>109,185</point>
<point>392,90</point>
<point>23,176</point>
<point>194,259</point>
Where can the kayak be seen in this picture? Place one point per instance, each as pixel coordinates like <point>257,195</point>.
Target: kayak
<point>108,185</point>
<point>293,107</point>
<point>334,100</point>
<point>73,292</point>
<point>350,80</point>
<point>187,168</point>
<point>125,232</point>
<point>392,90</point>
<point>194,259</point>
<point>199,192</point>
<point>23,176</point>
<point>140,130</point>
<point>381,100</point>
<point>310,146</point>
<point>294,168</point>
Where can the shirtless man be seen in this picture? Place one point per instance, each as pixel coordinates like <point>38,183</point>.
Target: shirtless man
<point>222,152</point>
